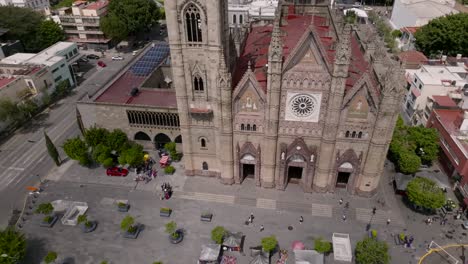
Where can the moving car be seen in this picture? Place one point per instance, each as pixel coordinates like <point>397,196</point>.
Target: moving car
<point>117,171</point>
<point>101,63</point>
<point>117,58</point>
<point>92,57</point>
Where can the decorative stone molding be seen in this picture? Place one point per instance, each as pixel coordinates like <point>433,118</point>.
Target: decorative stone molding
<point>183,6</point>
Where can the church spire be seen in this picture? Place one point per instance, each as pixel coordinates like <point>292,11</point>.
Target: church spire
<point>276,44</point>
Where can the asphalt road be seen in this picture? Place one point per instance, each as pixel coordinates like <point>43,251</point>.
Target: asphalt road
<point>24,154</point>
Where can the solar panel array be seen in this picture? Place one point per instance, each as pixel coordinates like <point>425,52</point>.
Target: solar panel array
<point>150,60</point>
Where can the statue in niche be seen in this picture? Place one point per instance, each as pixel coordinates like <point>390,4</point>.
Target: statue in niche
<point>248,103</point>
<point>359,105</point>
<point>312,158</point>
<point>282,155</point>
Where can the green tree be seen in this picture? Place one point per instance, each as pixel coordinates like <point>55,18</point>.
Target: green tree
<point>49,33</point>
<point>28,108</point>
<point>217,234</point>
<point>132,156</point>
<point>127,223</point>
<point>50,257</point>
<point>396,33</point>
<point>75,148</point>
<point>171,229</point>
<point>52,149</point>
<point>126,17</point>
<point>9,111</point>
<point>100,153</point>
<point>114,27</point>
<point>408,162</point>
<point>95,136</point>
<point>322,246</point>
<point>425,193</point>
<point>426,143</point>
<point>116,140</point>
<point>12,244</point>
<point>22,24</point>
<point>269,243</point>
<point>372,251</point>
<point>45,208</point>
<point>62,89</point>
<point>350,17</point>
<point>446,34</point>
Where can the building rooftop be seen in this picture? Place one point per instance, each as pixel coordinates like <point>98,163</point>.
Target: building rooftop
<point>97,5</point>
<point>410,30</point>
<point>444,100</point>
<point>450,119</point>
<point>412,58</point>
<point>119,92</point>
<point>430,8</point>
<point>440,75</point>
<point>46,57</point>
<point>6,80</point>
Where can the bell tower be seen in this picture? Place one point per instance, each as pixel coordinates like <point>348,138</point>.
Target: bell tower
<point>199,42</point>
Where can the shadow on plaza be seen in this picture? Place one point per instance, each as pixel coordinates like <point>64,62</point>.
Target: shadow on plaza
<point>36,123</point>
<point>35,250</point>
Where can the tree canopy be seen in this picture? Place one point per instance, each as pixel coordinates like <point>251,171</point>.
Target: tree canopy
<point>29,26</point>
<point>412,146</point>
<point>13,244</point>
<point>372,251</point>
<point>217,234</point>
<point>126,17</point>
<point>49,33</point>
<point>95,135</point>
<point>425,193</point>
<point>116,140</point>
<point>52,149</point>
<point>447,34</point>
<point>75,148</point>
<point>269,243</point>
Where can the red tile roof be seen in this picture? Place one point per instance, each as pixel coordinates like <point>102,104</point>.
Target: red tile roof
<point>411,30</point>
<point>257,44</point>
<point>444,100</point>
<point>412,57</point>
<point>450,120</point>
<point>97,5</point>
<point>4,81</point>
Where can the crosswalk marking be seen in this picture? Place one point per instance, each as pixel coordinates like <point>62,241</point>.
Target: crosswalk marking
<point>324,210</point>
<point>266,203</point>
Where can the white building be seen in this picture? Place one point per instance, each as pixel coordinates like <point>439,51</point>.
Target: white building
<point>429,81</point>
<point>417,13</point>
<point>58,58</point>
<point>242,12</point>
<point>34,4</point>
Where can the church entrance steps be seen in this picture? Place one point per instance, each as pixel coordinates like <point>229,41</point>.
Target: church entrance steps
<point>324,210</point>
<point>208,197</point>
<point>365,215</point>
<point>266,203</point>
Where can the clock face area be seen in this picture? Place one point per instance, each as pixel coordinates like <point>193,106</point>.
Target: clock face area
<point>303,107</point>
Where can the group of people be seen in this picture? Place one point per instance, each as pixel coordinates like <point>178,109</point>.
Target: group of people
<point>146,172</point>
<point>166,188</point>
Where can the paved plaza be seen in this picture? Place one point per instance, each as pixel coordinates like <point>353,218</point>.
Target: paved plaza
<point>231,206</point>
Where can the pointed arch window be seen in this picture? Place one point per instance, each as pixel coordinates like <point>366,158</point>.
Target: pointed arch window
<point>193,24</point>
<point>242,127</point>
<point>359,135</point>
<point>254,127</point>
<point>198,84</point>
<point>248,127</point>
<point>203,143</point>
<point>347,134</point>
<point>241,18</point>
<point>234,20</point>
<point>205,165</point>
<point>354,134</point>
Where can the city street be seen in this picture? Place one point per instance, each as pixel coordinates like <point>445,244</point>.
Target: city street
<point>24,155</point>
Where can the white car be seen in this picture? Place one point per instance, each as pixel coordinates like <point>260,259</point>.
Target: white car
<point>117,58</point>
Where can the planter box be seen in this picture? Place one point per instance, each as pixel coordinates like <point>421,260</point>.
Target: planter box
<point>133,235</point>
<point>123,208</point>
<point>86,229</point>
<point>179,238</point>
<point>206,217</point>
<point>165,213</point>
<point>49,224</point>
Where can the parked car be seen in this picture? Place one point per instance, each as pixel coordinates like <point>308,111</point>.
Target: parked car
<point>83,59</point>
<point>92,57</point>
<point>135,52</point>
<point>101,63</point>
<point>465,225</point>
<point>117,58</point>
<point>117,171</point>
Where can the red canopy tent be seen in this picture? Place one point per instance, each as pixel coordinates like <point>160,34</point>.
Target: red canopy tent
<point>163,161</point>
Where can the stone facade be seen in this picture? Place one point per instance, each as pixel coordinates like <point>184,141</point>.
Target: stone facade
<point>305,125</point>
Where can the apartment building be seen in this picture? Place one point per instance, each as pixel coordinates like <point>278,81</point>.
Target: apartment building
<point>19,82</point>
<point>34,4</point>
<point>429,81</point>
<point>81,23</point>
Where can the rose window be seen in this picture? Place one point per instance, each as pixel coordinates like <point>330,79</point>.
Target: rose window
<point>303,105</point>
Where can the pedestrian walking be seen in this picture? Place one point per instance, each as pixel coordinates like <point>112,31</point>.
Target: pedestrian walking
<point>262,228</point>
<point>346,205</point>
<point>344,217</point>
<point>388,221</point>
<point>341,201</point>
<point>301,219</point>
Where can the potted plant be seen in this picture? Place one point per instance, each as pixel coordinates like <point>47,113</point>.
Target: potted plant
<point>86,225</point>
<point>165,212</point>
<point>131,230</point>
<point>48,220</point>
<point>169,170</point>
<point>175,235</point>
<point>206,217</point>
<point>50,257</point>
<point>373,234</point>
<point>217,234</point>
<point>322,246</point>
<point>123,206</point>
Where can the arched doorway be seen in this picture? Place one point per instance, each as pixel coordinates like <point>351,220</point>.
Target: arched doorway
<point>247,167</point>
<point>344,174</point>
<point>178,139</point>
<point>142,136</point>
<point>160,140</point>
<point>296,168</point>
